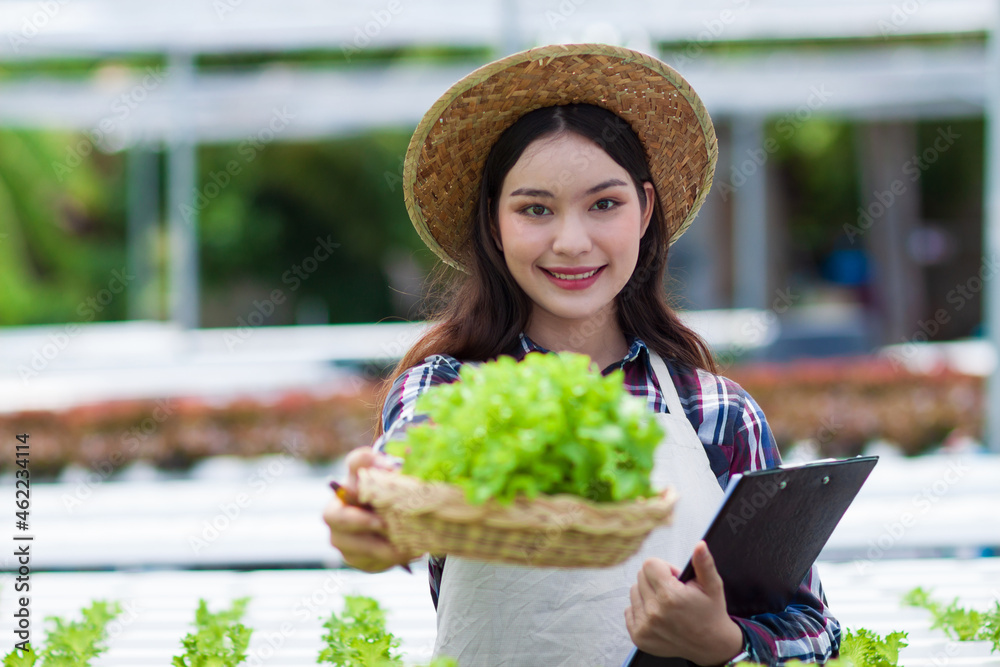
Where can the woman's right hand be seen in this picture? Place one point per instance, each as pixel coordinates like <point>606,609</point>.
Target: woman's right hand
<point>360,534</point>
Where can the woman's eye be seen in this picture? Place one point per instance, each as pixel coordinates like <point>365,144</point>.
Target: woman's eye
<point>604,204</point>
<point>535,209</point>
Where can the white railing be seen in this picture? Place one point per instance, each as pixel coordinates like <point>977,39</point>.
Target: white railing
<point>50,367</point>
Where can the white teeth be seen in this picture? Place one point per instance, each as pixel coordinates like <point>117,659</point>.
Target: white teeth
<point>576,276</point>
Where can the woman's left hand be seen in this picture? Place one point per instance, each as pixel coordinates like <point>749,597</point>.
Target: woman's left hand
<point>684,619</point>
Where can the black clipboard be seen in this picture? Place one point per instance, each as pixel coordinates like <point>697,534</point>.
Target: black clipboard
<point>770,527</point>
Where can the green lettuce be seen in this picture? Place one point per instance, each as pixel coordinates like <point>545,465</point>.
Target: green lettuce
<point>547,425</point>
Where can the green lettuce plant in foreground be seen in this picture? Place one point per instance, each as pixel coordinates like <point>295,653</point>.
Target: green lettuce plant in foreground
<point>958,622</point>
<point>864,648</point>
<point>219,639</point>
<point>358,638</point>
<point>861,648</point>
<point>70,643</point>
<point>547,425</point>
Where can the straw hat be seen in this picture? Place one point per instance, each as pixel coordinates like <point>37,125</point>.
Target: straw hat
<point>448,150</point>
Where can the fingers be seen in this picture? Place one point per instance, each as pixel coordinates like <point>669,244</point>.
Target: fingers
<point>369,552</point>
<point>644,617</point>
<point>705,572</point>
<point>635,614</point>
<point>670,617</point>
<point>636,599</point>
<point>644,586</point>
<point>653,583</point>
<point>364,457</point>
<point>376,548</point>
<point>360,535</point>
<point>630,622</point>
<point>657,578</point>
<point>343,518</point>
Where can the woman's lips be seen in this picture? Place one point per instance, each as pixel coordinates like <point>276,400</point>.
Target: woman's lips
<point>559,277</point>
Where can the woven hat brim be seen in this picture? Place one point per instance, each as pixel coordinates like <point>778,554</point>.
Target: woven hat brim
<point>447,152</point>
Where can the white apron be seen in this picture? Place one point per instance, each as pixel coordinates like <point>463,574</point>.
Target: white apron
<point>493,615</point>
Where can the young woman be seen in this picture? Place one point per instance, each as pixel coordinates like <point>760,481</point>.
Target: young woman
<point>555,181</point>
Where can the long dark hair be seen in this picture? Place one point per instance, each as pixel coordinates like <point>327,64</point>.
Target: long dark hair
<point>480,314</point>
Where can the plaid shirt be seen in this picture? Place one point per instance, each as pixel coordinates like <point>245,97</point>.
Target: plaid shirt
<point>736,437</point>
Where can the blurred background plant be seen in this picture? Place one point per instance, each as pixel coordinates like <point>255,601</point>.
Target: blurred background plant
<point>61,234</point>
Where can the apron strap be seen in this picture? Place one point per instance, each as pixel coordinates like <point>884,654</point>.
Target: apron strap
<point>666,383</point>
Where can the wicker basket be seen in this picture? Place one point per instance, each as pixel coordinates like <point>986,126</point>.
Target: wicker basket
<point>549,531</point>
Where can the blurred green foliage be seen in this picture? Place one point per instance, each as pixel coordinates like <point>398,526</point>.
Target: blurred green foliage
<point>272,226</point>
<point>816,163</point>
<point>702,43</point>
<point>817,169</point>
<point>63,221</point>
<point>261,212</point>
<point>61,231</point>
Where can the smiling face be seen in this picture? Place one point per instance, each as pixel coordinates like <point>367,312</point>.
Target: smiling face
<point>570,220</point>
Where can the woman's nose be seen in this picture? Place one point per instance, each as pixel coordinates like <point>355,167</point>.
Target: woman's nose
<point>571,237</point>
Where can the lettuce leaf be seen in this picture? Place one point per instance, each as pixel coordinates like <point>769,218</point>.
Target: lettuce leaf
<point>547,425</point>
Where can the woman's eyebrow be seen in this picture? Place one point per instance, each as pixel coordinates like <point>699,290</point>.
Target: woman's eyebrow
<point>532,192</point>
